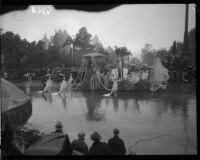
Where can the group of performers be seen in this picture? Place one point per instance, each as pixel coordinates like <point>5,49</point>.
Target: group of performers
<point>157,75</point>
<point>63,85</point>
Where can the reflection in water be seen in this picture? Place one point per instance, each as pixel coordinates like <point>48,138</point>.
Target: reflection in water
<point>107,100</point>
<point>115,103</point>
<point>185,127</point>
<point>64,100</point>
<point>93,102</point>
<point>47,97</point>
<point>28,87</point>
<point>153,114</point>
<point>135,104</point>
<point>125,104</point>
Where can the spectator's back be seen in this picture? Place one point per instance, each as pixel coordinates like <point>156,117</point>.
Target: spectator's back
<point>116,144</point>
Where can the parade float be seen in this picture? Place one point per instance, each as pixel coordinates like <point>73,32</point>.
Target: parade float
<point>136,78</point>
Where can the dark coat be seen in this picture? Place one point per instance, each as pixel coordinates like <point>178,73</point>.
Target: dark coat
<point>117,146</point>
<point>80,145</point>
<point>67,149</point>
<point>99,148</point>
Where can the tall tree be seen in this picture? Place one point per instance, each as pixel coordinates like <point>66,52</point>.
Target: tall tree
<point>83,40</point>
<point>97,44</point>
<point>58,51</point>
<point>46,41</point>
<point>192,46</point>
<point>147,55</point>
<point>122,52</point>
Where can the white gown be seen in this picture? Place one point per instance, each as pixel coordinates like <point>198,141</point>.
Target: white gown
<point>48,86</point>
<point>63,86</point>
<point>125,73</point>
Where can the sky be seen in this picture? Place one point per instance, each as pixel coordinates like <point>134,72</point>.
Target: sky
<point>132,25</point>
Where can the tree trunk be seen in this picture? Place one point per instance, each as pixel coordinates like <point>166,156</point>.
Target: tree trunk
<point>122,67</point>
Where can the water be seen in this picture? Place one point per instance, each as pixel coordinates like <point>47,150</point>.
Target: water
<point>162,122</point>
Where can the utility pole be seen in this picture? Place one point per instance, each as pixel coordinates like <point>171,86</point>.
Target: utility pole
<point>185,57</point>
<point>185,48</point>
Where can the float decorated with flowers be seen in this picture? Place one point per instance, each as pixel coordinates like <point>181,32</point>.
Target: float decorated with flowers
<point>134,78</point>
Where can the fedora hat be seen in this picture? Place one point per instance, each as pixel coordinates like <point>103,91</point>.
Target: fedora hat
<point>81,134</point>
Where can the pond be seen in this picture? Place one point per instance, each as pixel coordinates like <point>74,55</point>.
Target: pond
<point>162,122</point>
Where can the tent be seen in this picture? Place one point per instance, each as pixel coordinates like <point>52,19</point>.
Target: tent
<point>92,55</point>
<point>51,144</point>
<point>15,105</point>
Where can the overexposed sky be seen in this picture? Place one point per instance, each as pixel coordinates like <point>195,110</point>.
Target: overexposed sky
<point>131,25</point>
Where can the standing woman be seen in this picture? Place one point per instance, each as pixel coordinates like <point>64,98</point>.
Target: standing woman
<point>63,86</point>
<point>115,86</point>
<point>49,84</point>
<point>70,79</point>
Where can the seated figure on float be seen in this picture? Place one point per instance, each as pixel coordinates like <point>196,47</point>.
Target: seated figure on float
<point>134,76</point>
<point>145,74</point>
<point>114,73</point>
<point>125,73</point>
<point>115,79</point>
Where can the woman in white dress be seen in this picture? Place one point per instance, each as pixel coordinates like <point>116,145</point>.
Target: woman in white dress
<point>49,84</point>
<point>63,86</point>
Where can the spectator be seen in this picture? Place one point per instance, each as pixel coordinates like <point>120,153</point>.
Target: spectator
<point>67,149</point>
<point>98,148</point>
<point>116,144</point>
<point>79,144</point>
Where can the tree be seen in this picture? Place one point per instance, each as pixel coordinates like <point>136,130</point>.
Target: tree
<point>46,41</point>
<point>122,52</point>
<point>192,46</point>
<point>83,40</point>
<point>174,49</point>
<point>97,44</point>
<point>162,54</point>
<point>147,55</point>
<point>59,53</point>
<point>147,48</point>
<point>82,45</point>
<point>112,57</point>
<point>134,60</point>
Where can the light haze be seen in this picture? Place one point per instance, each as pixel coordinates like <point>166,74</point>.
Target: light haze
<point>127,25</point>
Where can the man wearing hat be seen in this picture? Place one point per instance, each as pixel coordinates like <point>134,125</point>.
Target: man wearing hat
<point>116,144</point>
<point>66,149</point>
<point>98,147</point>
<point>58,127</point>
<point>79,144</point>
